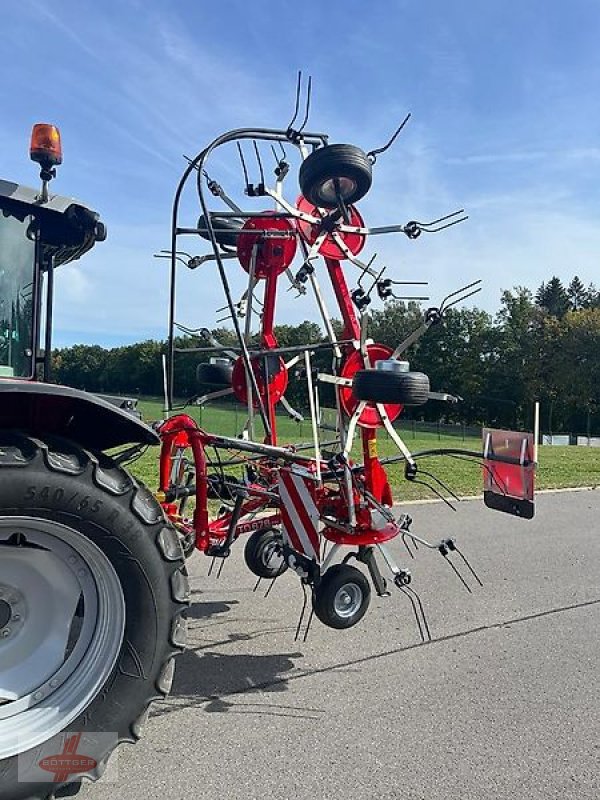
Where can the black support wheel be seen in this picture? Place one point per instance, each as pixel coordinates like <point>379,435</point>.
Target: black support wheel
<point>214,374</point>
<point>93,592</point>
<point>226,229</point>
<point>263,553</point>
<point>382,386</point>
<point>333,172</point>
<point>342,596</point>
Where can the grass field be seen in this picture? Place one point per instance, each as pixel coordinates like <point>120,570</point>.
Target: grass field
<point>559,467</point>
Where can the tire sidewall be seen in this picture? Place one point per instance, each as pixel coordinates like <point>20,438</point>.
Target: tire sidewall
<point>324,595</point>
<point>124,527</point>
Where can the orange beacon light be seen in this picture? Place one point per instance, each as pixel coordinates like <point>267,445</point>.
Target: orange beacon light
<point>45,147</point>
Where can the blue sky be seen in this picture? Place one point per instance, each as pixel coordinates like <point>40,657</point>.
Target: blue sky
<point>506,122</point>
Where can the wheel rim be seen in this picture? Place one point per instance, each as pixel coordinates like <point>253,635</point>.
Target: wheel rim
<point>332,188</point>
<point>272,556</point>
<point>66,619</point>
<point>348,600</point>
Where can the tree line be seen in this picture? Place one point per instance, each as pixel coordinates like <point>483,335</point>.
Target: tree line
<point>542,345</point>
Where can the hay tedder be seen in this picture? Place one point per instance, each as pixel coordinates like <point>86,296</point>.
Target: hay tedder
<point>310,507</point>
<point>93,587</point>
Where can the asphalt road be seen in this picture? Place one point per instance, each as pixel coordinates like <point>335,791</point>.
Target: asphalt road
<point>505,703</point>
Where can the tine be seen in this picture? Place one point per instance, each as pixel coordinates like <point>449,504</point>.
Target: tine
<point>257,584</point>
<point>405,543</point>
<point>374,153</point>
<point>422,610</point>
<point>460,291</point>
<point>458,575</point>
<point>443,227</point>
<point>270,587</point>
<point>435,491</point>
<point>307,112</point>
<point>440,483</point>
<point>441,219</point>
<point>461,299</point>
<point>310,619</point>
<point>259,160</point>
<point>415,612</point>
<point>297,106</point>
<point>212,564</point>
<point>468,565</point>
<point>241,154</point>
<point>301,614</point>
<point>221,568</point>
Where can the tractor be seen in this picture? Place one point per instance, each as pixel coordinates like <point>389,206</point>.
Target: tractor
<point>93,587</point>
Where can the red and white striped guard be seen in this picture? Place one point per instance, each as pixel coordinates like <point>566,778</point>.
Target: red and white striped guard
<point>299,512</point>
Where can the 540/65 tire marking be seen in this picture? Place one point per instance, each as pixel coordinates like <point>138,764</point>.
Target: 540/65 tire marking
<point>47,494</point>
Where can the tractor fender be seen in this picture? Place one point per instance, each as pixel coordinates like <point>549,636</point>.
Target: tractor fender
<point>43,409</point>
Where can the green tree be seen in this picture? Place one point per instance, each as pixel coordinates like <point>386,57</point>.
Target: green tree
<point>553,297</point>
<point>577,294</point>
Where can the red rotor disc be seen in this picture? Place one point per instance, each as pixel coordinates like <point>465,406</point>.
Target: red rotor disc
<point>275,253</point>
<point>278,378</point>
<point>370,416</point>
<point>329,249</point>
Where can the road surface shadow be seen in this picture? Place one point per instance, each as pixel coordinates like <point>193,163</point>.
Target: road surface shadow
<point>207,610</point>
<point>214,681</point>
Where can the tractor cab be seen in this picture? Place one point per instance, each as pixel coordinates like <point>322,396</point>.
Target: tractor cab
<point>38,233</point>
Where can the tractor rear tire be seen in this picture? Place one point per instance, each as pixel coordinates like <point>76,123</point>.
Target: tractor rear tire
<point>226,229</point>
<point>347,164</point>
<point>379,386</point>
<point>86,558</point>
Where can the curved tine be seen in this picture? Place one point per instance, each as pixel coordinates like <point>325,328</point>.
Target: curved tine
<point>310,619</point>
<point>304,604</point>
<point>440,483</point>
<point>421,608</point>
<point>375,280</point>
<point>459,291</point>
<point>405,543</point>
<point>461,299</point>
<point>307,112</point>
<point>468,565</point>
<point>239,147</point>
<point>191,162</point>
<point>168,252</point>
<point>297,106</point>
<point>480,462</point>
<point>275,156</point>
<point>440,219</point>
<point>420,604</point>
<point>443,227</point>
<point>258,158</point>
<point>365,271</point>
<point>458,575</point>
<point>435,491</point>
<point>415,611</point>
<point>374,153</point>
<point>168,255</point>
